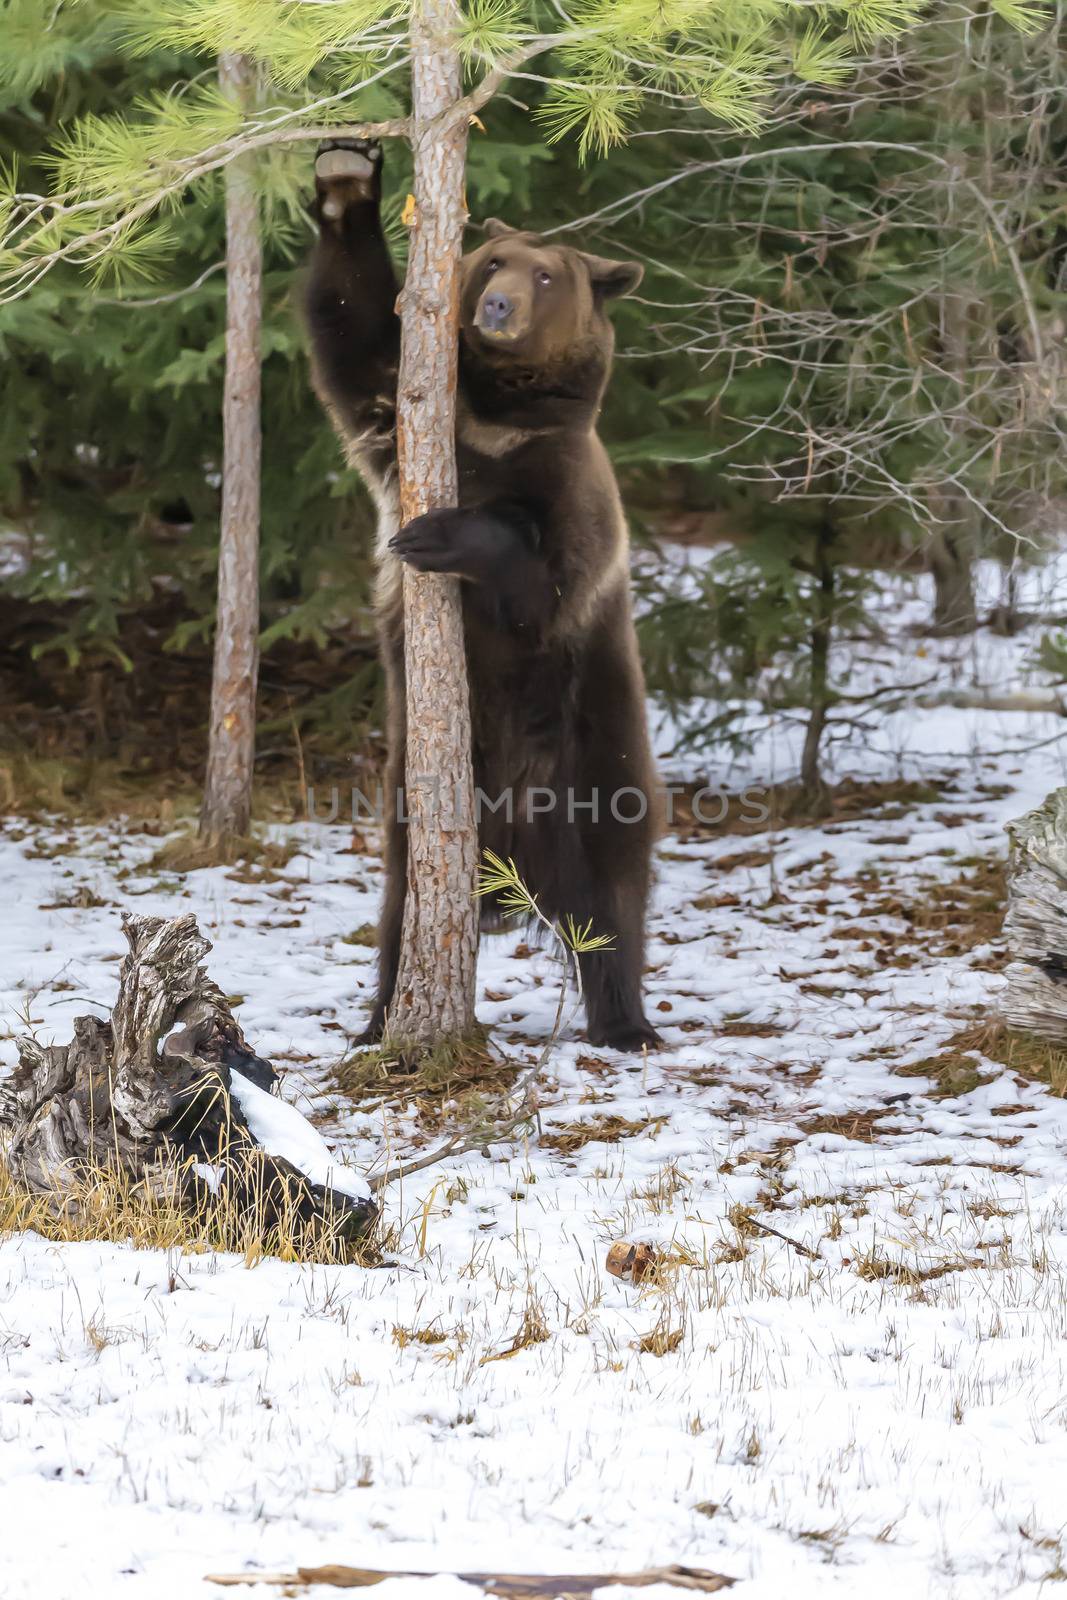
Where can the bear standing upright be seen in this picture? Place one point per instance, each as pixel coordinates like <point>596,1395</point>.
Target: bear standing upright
<point>562,764</point>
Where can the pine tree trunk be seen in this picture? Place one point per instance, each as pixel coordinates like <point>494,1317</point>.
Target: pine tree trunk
<point>226,813</point>
<point>955,611</point>
<point>821,632</point>
<point>434,997</point>
<point>949,552</point>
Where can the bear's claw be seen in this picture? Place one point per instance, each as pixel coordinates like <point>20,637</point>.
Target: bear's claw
<point>347,158</point>
<point>347,172</point>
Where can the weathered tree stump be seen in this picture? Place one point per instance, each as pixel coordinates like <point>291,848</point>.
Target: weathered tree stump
<point>1035,923</point>
<point>169,1095</point>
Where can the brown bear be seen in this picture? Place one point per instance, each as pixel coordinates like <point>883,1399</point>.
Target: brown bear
<point>562,764</point>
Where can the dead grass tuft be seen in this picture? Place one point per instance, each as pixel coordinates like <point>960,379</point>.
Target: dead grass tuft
<point>955,916</point>
<point>1035,1059</point>
<point>402,1336</point>
<point>863,1126</point>
<point>749,1030</point>
<point>567,1137</point>
<point>663,1340</point>
<point>873,1268</point>
<point>105,1204</point>
<point>254,860</point>
<point>790,804</point>
<point>961,1065</point>
<point>952,1073</point>
<point>533,1329</point>
<point>457,1078</point>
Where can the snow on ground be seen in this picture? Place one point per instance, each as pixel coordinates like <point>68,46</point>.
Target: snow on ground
<point>885,1416</point>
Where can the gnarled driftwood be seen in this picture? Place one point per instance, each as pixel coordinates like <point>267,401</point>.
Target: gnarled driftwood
<point>1036,921</point>
<point>169,1094</point>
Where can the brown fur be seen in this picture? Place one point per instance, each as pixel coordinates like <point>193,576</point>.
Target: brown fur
<point>539,538</point>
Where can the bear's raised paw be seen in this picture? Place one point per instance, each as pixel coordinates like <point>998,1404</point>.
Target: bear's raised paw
<point>347,173</point>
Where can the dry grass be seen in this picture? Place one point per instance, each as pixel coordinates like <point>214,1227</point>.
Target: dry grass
<point>533,1329</point>
<point>749,1030</point>
<point>459,1078</point>
<point>87,737</point>
<point>953,916</point>
<point>873,1268</point>
<point>567,1137</point>
<point>105,1204</point>
<point>260,860</point>
<point>663,1339</point>
<point>952,1073</point>
<point>32,784</point>
<point>864,1126</point>
<point>788,804</point>
<point>402,1336</point>
<point>962,1065</point>
<point>1032,1058</point>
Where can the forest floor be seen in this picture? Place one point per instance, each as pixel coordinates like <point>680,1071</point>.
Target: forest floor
<point>872,1398</point>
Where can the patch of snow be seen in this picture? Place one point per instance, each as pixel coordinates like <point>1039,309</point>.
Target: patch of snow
<point>210,1173</point>
<point>284,1131</point>
<point>885,1415</point>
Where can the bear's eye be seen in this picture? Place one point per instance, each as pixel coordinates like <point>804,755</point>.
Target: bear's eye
<point>544,277</point>
<point>494,266</point>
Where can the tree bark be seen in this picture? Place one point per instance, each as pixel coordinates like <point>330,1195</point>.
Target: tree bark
<point>434,996</point>
<point>225,816</point>
<point>1035,923</point>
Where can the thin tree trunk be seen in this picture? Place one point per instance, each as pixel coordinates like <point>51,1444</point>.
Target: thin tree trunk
<point>950,552</point>
<point>950,562</point>
<point>226,813</point>
<point>821,630</point>
<point>435,987</point>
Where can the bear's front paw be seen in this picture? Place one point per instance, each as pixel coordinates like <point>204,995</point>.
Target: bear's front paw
<point>348,172</point>
<point>448,540</point>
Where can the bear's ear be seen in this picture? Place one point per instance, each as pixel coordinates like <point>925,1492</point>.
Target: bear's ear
<point>612,278</point>
<point>493,228</point>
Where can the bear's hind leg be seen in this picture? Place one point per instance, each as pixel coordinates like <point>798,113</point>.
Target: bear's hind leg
<point>601,882</point>
<point>611,978</point>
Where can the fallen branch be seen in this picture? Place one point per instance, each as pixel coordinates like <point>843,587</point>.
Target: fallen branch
<point>794,1244</point>
<point>1027,700</point>
<point>509,1586</point>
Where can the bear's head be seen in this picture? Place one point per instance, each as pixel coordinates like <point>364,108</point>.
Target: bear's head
<point>539,304</point>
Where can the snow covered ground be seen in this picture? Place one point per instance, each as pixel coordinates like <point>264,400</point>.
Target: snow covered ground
<point>884,1412</point>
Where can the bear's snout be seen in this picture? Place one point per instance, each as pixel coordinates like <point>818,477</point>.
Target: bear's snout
<point>503,312</point>
<point>496,312</point>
